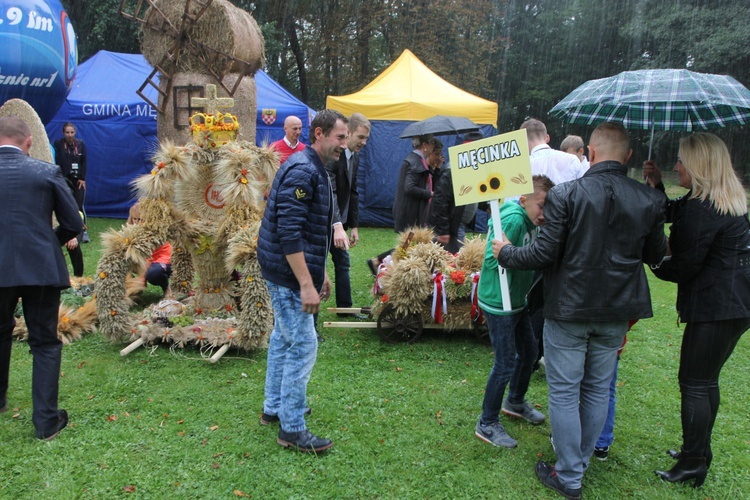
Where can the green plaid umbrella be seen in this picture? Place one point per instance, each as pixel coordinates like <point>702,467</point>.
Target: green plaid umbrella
<point>661,99</point>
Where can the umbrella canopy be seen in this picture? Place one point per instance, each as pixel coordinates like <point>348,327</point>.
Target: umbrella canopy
<point>661,99</point>
<point>439,125</point>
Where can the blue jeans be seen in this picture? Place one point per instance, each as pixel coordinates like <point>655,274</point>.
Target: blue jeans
<point>515,351</point>
<point>341,266</point>
<point>608,432</point>
<point>292,351</point>
<point>580,359</point>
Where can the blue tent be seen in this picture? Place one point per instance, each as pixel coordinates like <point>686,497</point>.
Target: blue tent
<point>119,128</point>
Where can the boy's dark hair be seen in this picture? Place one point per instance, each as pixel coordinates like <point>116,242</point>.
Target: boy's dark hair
<point>326,120</point>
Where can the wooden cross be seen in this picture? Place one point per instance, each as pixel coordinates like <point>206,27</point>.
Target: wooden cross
<point>211,102</point>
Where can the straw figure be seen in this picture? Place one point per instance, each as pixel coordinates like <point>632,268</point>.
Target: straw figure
<point>206,197</point>
<point>422,278</point>
<point>208,201</point>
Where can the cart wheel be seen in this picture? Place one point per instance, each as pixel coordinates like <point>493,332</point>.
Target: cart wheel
<point>394,328</point>
<point>481,332</point>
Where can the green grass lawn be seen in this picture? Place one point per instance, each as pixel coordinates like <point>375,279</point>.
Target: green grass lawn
<point>163,423</point>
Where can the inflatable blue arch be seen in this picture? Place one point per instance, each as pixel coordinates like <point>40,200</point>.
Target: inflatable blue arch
<point>39,56</point>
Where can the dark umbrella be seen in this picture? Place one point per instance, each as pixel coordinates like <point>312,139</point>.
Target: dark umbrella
<point>440,125</point>
<point>658,99</point>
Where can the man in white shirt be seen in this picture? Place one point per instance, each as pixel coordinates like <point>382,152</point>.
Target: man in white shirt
<point>557,165</point>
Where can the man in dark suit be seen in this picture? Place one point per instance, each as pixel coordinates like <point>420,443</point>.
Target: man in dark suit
<point>343,174</point>
<point>34,268</point>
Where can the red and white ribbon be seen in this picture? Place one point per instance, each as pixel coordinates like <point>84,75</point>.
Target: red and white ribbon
<point>382,271</point>
<point>439,298</point>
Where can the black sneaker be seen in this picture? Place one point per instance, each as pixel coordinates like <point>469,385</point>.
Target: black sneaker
<point>267,418</point>
<point>547,475</point>
<point>523,410</point>
<point>601,454</point>
<point>62,422</point>
<point>304,441</point>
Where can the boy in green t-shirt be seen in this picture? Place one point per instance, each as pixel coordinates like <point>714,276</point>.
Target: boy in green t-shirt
<point>511,334</point>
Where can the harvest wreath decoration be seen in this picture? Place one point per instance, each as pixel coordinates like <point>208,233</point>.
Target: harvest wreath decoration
<point>420,277</point>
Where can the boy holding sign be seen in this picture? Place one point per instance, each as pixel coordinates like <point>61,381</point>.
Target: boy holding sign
<point>515,347</point>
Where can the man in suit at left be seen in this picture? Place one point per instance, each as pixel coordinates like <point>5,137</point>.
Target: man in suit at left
<point>343,174</point>
<point>34,267</point>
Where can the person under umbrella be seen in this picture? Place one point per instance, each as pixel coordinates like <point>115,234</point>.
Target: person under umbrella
<point>710,262</point>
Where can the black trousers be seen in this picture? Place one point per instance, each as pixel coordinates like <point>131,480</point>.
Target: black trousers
<point>41,305</point>
<point>76,259</point>
<point>705,349</point>
<point>158,274</point>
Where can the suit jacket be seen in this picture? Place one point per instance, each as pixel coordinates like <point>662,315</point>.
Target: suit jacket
<point>345,190</point>
<point>30,192</point>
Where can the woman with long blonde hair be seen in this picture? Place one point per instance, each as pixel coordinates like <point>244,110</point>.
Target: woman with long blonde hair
<point>710,262</point>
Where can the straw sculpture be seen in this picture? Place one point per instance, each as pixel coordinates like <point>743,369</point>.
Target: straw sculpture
<point>408,281</point>
<point>40,144</point>
<point>208,203</point>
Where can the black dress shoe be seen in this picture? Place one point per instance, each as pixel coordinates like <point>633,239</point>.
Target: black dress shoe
<point>304,441</point>
<point>685,470</point>
<point>4,406</point>
<point>62,422</point>
<point>547,475</point>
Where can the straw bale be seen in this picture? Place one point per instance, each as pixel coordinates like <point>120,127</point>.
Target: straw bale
<point>183,271</point>
<point>242,245</point>
<point>256,314</point>
<point>170,164</point>
<point>458,316</point>
<point>39,142</point>
<point>245,107</point>
<point>408,284</point>
<point>432,254</point>
<point>471,255</point>
<point>222,27</point>
<point>111,303</point>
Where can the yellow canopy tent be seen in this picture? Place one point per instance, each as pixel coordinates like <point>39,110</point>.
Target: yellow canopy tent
<point>407,91</point>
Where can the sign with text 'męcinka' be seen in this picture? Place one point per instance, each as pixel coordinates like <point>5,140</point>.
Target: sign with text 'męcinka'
<point>491,168</point>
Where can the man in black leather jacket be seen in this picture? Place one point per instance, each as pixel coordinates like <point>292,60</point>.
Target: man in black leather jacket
<point>599,231</point>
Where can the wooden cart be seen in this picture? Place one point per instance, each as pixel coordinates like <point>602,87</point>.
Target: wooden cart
<point>394,327</point>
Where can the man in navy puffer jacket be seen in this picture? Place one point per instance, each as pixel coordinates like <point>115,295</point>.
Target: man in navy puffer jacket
<point>294,240</point>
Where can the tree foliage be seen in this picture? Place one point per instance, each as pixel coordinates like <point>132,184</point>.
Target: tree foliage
<point>524,54</point>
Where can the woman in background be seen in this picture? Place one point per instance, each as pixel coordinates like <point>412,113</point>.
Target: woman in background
<point>710,262</point>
